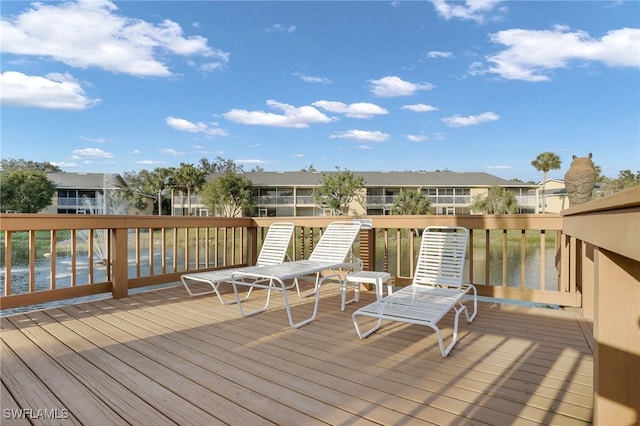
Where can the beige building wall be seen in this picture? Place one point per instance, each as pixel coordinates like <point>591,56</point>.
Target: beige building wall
<point>555,202</point>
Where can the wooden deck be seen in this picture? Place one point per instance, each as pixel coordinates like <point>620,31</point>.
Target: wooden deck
<point>161,357</point>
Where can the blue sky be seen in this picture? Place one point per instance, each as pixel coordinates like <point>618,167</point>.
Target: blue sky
<point>480,86</point>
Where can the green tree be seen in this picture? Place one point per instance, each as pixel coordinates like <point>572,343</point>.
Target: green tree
<point>498,200</point>
<point>626,179</point>
<point>136,193</point>
<point>187,176</point>
<point>157,180</point>
<point>219,165</point>
<point>411,202</point>
<point>229,194</point>
<point>8,165</point>
<point>543,163</point>
<point>336,191</point>
<point>25,191</point>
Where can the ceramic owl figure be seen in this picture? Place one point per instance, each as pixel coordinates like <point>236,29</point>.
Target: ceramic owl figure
<point>579,180</point>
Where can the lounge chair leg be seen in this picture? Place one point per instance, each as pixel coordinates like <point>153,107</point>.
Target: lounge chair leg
<point>475,306</point>
<point>239,301</point>
<point>372,330</point>
<point>445,351</point>
<point>200,293</point>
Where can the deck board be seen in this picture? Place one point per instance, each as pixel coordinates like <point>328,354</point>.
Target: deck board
<point>162,357</point>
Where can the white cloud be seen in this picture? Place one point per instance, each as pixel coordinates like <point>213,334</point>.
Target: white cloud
<point>183,125</point>
<point>249,161</point>
<point>55,91</point>
<point>392,86</point>
<point>438,54</point>
<point>95,35</point>
<point>355,110</point>
<point>296,117</point>
<point>475,10</point>
<point>91,153</point>
<point>531,53</point>
<point>150,162</point>
<point>364,147</point>
<point>420,108</point>
<point>282,28</point>
<point>470,120</point>
<point>171,151</point>
<point>311,79</point>
<point>94,140</point>
<point>416,138</point>
<point>499,167</point>
<point>361,135</point>
<point>65,164</point>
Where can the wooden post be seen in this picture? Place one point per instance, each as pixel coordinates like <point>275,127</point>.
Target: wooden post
<point>120,263</point>
<point>368,249</point>
<point>587,281</point>
<point>252,245</point>
<point>616,331</point>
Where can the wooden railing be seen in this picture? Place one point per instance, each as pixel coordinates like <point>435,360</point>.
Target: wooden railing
<point>118,253</point>
<point>603,237</point>
<point>111,253</point>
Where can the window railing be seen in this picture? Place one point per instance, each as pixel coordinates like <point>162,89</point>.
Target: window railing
<point>79,202</point>
<point>275,200</point>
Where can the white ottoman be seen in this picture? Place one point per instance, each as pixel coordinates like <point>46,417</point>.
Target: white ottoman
<point>365,277</point>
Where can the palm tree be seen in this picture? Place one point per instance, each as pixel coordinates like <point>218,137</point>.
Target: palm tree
<point>158,179</point>
<point>411,202</point>
<point>543,163</point>
<point>497,200</point>
<point>189,177</point>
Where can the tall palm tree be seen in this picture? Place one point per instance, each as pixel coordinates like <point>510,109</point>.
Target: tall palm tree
<point>543,163</point>
<point>158,179</point>
<point>189,177</point>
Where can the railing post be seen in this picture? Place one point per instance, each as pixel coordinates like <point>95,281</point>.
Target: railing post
<point>564,262</point>
<point>252,245</point>
<point>616,382</point>
<point>368,249</point>
<point>120,263</point>
<point>587,281</point>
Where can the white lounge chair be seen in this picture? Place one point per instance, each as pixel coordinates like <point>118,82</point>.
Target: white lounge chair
<point>332,253</point>
<point>273,251</point>
<point>436,288</point>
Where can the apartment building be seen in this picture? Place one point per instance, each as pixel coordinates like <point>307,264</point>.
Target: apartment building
<point>89,193</point>
<point>291,193</point>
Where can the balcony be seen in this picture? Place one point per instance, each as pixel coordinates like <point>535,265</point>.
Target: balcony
<point>273,200</point>
<point>163,358</point>
<point>171,358</point>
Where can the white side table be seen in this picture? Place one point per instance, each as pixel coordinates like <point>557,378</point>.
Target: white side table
<point>365,277</point>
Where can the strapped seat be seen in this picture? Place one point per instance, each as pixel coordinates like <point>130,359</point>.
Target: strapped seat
<point>273,252</point>
<point>436,288</point>
<point>330,257</point>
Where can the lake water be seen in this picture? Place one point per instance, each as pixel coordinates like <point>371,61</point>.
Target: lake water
<point>20,274</point>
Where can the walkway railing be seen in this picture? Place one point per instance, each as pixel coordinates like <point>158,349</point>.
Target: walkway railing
<point>55,257</point>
